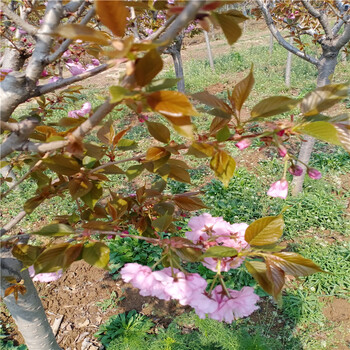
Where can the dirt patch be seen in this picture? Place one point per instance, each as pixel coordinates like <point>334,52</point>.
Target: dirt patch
<point>338,312</point>
<point>75,297</point>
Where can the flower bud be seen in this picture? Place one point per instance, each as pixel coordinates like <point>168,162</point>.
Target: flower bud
<point>314,173</point>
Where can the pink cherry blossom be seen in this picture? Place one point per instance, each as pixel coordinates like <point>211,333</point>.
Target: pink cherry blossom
<point>226,264</point>
<point>44,277</point>
<point>296,170</point>
<point>95,62</point>
<point>241,304</point>
<point>54,79</point>
<point>44,73</point>
<point>234,237</point>
<point>203,305</point>
<point>314,173</point>
<point>75,67</point>
<point>66,54</point>
<point>243,144</point>
<point>282,151</point>
<point>279,189</point>
<point>141,277</point>
<point>85,109</point>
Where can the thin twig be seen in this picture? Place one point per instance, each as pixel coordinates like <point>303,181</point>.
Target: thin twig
<point>117,162</point>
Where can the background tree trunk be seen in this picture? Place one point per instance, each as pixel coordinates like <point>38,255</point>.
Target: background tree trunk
<point>28,311</point>
<point>289,65</point>
<point>210,54</point>
<point>175,51</point>
<point>326,67</point>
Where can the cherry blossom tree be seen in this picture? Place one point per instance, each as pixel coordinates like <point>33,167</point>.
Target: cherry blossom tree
<point>327,24</point>
<point>48,44</point>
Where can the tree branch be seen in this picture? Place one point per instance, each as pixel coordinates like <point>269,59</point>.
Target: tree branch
<point>64,46</point>
<point>17,138</point>
<point>186,16</point>
<point>73,6</point>
<point>44,89</point>
<point>105,165</point>
<point>30,29</point>
<point>344,38</point>
<point>275,32</point>
<point>52,18</point>
<point>43,147</point>
<point>14,127</point>
<point>322,18</point>
<point>13,222</point>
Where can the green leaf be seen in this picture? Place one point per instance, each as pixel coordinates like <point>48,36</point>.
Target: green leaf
<point>26,253</point>
<point>320,130</point>
<point>161,84</point>
<point>112,169</point>
<point>159,131</point>
<point>258,270</point>
<point>113,14</point>
<point>148,67</point>
<point>242,90</point>
<point>51,259</point>
<point>118,93</point>
<point>54,230</point>
<point>126,144</point>
<point>223,134</point>
<point>81,32</point>
<point>96,254</point>
<point>224,166</point>
<point>294,264</point>
<point>229,26</point>
<point>179,174</point>
<point>134,171</point>
<point>323,98</point>
<point>162,223</point>
<point>219,251</point>
<point>201,150</point>
<point>272,106</point>
<point>186,253</point>
<point>91,198</point>
<point>188,203</point>
<point>171,103</point>
<point>62,165</point>
<point>265,231</point>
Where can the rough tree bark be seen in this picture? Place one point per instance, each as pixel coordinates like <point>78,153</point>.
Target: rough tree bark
<point>175,51</point>
<point>210,54</point>
<point>40,336</point>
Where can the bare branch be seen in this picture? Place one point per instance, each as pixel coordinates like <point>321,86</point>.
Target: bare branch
<point>136,158</point>
<point>16,139</point>
<point>13,222</point>
<point>275,32</point>
<point>30,29</point>
<point>186,16</point>
<point>161,29</point>
<point>43,147</point>
<point>73,6</point>
<point>44,89</point>
<point>344,38</point>
<point>17,183</point>
<point>54,11</point>
<point>322,18</point>
<point>14,127</point>
<point>64,46</point>
<point>94,120</point>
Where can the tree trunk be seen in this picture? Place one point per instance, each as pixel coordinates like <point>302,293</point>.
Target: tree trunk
<point>210,55</point>
<point>28,311</point>
<point>271,44</point>
<point>326,67</point>
<point>289,65</point>
<point>179,70</point>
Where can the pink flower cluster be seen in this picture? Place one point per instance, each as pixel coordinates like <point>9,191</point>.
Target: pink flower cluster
<point>85,109</point>
<point>44,277</point>
<point>189,289</point>
<point>77,68</point>
<point>211,231</point>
